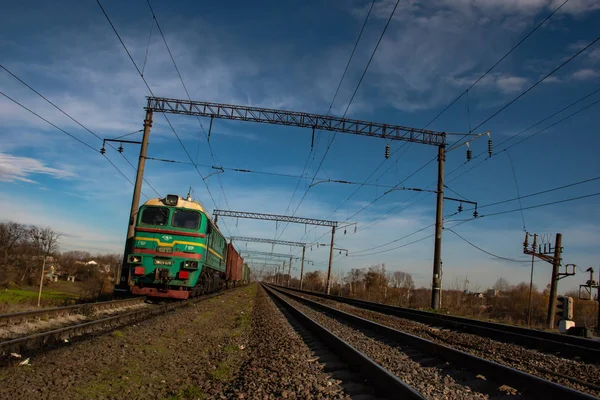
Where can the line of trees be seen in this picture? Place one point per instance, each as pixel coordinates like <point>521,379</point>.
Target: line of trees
<point>23,248</point>
<point>503,302</point>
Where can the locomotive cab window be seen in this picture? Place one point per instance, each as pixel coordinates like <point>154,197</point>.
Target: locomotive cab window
<point>155,216</point>
<point>186,219</point>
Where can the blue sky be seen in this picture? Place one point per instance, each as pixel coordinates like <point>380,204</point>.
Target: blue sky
<point>291,55</point>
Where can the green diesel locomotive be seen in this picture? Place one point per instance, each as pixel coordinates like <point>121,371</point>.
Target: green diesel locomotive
<point>178,252</point>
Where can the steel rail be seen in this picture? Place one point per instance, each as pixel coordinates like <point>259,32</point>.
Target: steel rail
<point>16,318</point>
<point>526,383</point>
<point>43,339</point>
<point>383,380</point>
<point>571,346</point>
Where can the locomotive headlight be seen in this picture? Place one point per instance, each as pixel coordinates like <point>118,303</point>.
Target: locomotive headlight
<point>190,264</point>
<point>171,199</point>
<point>134,259</point>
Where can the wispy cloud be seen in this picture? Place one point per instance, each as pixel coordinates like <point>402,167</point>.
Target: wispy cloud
<point>585,74</point>
<point>15,168</point>
<point>429,47</point>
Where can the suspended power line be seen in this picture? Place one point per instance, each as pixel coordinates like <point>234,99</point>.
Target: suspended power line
<point>542,192</point>
<point>328,111</point>
<point>128,134</point>
<point>212,154</point>
<point>350,102</point>
<point>369,225</point>
<point>357,253</point>
<point>542,205</point>
<point>50,123</point>
<point>487,252</point>
<point>74,120</point>
<point>549,74</point>
<point>512,166</point>
<point>67,133</point>
<point>249,171</point>
<point>164,115</point>
<point>530,136</point>
<point>471,86</point>
<point>523,39</point>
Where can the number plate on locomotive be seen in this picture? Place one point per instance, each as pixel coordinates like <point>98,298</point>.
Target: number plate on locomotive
<point>163,249</point>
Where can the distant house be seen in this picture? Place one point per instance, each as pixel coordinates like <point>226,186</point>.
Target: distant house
<point>102,268</point>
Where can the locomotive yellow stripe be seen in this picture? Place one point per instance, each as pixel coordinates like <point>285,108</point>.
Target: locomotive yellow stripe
<point>215,253</point>
<point>170,244</point>
<point>178,242</point>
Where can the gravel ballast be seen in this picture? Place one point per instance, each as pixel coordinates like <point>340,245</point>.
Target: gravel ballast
<point>432,381</point>
<point>526,360</point>
<point>279,364</point>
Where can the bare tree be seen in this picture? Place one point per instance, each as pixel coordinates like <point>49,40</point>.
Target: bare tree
<point>11,233</point>
<point>355,279</point>
<point>401,280</point>
<point>376,280</point>
<point>313,280</point>
<point>44,242</point>
<point>502,285</point>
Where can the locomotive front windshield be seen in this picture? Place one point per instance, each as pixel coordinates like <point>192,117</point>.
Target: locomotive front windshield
<point>155,216</point>
<point>186,219</point>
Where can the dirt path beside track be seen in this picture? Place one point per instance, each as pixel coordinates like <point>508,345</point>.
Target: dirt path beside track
<point>192,353</point>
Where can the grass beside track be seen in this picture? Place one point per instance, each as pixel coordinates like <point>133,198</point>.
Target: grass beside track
<point>21,295</point>
<point>213,334</point>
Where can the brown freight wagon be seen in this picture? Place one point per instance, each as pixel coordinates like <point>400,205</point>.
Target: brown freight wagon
<point>233,268</point>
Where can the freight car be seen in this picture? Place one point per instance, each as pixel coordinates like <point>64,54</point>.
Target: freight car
<point>178,252</point>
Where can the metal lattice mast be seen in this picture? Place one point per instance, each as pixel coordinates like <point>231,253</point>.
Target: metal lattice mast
<point>327,123</point>
<point>286,218</point>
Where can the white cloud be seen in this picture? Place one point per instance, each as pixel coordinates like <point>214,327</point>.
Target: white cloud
<point>552,79</point>
<point>585,74</point>
<point>494,81</point>
<point>431,45</point>
<point>576,7</point>
<point>594,54</point>
<point>510,84</point>
<point>15,168</point>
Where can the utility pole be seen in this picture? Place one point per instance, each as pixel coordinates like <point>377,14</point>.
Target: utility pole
<point>330,260</point>
<point>589,285</point>
<point>531,282</point>
<point>555,260</point>
<point>302,267</point>
<point>289,272</point>
<point>41,281</point>
<point>436,285</point>
<point>554,283</point>
<point>124,278</point>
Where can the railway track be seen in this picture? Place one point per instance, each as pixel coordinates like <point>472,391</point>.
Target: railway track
<point>412,358</point>
<point>36,341</point>
<point>47,313</point>
<point>360,376</point>
<point>567,346</point>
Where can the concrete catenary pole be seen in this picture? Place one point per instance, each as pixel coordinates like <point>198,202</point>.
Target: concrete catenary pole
<point>302,267</point>
<point>436,285</point>
<point>598,300</point>
<point>124,277</point>
<point>554,283</point>
<point>328,289</point>
<point>289,272</point>
<point>531,281</point>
